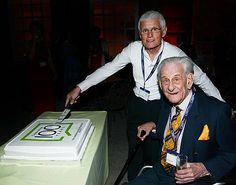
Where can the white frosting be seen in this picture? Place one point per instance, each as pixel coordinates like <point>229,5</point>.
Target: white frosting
<point>45,139</point>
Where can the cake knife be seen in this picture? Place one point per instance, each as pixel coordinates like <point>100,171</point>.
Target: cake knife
<point>66,112</point>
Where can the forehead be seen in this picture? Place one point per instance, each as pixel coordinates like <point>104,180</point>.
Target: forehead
<point>171,69</point>
<point>148,23</point>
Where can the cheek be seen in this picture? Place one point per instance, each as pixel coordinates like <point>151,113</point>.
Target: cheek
<point>158,38</point>
<point>183,95</point>
<point>143,39</point>
<point>179,97</point>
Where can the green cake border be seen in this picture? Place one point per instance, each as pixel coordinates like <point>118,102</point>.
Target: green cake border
<point>24,138</point>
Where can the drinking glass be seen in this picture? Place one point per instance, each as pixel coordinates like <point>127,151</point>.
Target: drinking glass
<point>181,162</point>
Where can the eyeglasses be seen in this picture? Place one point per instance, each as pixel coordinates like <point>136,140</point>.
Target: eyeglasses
<point>174,81</point>
<point>152,30</point>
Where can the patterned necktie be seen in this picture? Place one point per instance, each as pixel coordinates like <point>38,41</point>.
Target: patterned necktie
<point>169,142</point>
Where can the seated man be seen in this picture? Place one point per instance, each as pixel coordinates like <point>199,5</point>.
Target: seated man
<point>191,124</point>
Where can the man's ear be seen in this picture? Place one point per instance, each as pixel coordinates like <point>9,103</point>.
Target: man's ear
<point>164,32</point>
<point>189,80</point>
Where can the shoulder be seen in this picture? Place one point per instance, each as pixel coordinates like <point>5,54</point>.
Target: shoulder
<point>133,47</point>
<point>211,104</point>
<point>172,50</point>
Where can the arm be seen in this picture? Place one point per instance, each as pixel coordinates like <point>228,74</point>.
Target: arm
<point>72,96</point>
<point>219,152</point>
<point>120,61</point>
<point>225,156</point>
<point>201,79</point>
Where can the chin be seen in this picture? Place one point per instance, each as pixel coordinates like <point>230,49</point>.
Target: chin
<point>150,46</point>
<point>173,100</point>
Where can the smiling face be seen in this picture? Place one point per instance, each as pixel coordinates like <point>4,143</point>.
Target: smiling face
<point>174,82</point>
<point>151,34</point>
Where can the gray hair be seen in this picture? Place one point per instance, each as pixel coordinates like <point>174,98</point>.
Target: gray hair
<point>185,61</point>
<point>152,15</point>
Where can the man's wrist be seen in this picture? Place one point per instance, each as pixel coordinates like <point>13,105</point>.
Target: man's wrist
<point>78,89</point>
<point>154,131</point>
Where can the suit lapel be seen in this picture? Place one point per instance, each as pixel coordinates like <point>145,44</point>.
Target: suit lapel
<point>192,128</point>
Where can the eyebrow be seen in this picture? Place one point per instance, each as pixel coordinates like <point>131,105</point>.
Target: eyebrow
<point>176,75</point>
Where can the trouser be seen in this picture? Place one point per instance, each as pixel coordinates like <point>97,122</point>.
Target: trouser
<point>141,111</point>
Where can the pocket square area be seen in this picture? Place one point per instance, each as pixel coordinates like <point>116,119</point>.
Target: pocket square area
<point>205,134</point>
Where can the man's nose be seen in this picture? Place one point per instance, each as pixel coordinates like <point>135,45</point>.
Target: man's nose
<point>171,86</point>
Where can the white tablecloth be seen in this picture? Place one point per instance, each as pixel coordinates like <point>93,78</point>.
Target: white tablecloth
<point>92,170</point>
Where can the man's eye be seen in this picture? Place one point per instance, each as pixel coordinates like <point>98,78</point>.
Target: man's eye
<point>145,31</point>
<point>164,81</point>
<point>177,79</point>
<point>154,29</point>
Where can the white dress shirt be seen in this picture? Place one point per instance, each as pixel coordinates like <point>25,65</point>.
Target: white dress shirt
<point>132,54</point>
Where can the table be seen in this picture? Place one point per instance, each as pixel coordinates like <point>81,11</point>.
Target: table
<point>93,169</point>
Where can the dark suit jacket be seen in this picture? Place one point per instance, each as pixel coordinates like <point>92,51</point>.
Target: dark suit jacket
<point>218,154</point>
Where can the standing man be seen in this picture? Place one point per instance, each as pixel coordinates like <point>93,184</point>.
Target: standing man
<point>190,124</point>
<point>145,56</point>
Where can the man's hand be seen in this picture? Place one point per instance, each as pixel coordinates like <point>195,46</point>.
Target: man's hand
<point>191,173</point>
<point>147,127</point>
<point>72,96</point>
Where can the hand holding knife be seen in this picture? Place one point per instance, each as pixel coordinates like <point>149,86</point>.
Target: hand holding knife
<point>73,95</point>
<point>71,98</point>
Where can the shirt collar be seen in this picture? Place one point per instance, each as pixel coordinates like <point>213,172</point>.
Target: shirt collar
<point>185,103</point>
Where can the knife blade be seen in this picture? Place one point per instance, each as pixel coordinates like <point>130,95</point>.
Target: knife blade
<point>66,111</point>
<point>64,114</point>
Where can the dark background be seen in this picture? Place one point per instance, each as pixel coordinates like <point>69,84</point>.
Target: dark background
<point>206,31</point>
